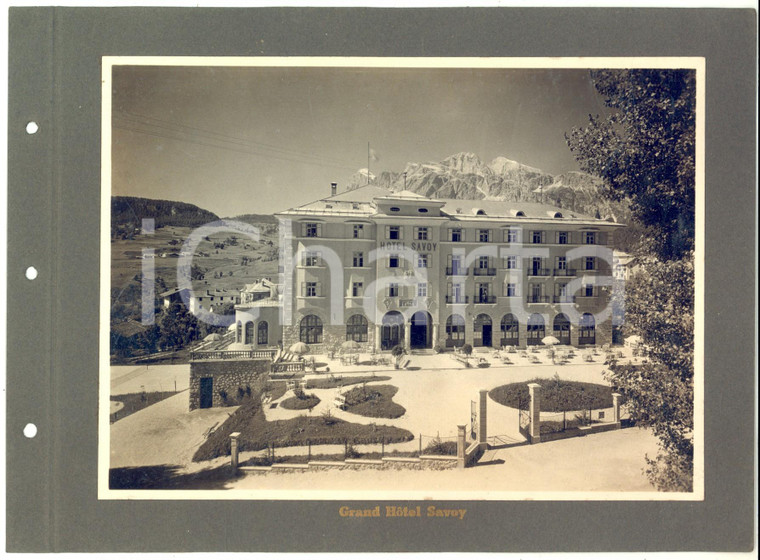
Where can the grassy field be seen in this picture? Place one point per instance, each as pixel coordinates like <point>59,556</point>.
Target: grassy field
<point>137,401</point>
<point>300,402</point>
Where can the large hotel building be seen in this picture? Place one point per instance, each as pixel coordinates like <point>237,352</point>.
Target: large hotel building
<point>384,268</point>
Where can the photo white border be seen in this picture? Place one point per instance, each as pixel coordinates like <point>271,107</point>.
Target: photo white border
<point>108,62</point>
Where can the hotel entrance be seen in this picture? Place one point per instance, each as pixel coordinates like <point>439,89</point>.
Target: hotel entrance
<point>392,332</point>
<point>420,330</point>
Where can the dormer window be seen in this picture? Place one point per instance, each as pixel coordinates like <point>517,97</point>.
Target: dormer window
<point>422,210</point>
<point>558,214</point>
<point>480,213</point>
<point>395,209</point>
<point>520,213</point>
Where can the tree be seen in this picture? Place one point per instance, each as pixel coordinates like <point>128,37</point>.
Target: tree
<point>397,352</point>
<point>178,327</point>
<point>644,150</point>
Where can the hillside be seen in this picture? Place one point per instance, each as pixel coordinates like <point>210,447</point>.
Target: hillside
<point>127,213</point>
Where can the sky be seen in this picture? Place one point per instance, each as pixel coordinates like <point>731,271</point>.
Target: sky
<point>237,140</point>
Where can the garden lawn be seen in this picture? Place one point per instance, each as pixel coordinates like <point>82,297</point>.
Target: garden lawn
<point>557,395</point>
<point>374,401</point>
<point>256,433</point>
<point>300,402</point>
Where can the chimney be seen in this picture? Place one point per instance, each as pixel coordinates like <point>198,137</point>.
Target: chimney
<point>333,189</point>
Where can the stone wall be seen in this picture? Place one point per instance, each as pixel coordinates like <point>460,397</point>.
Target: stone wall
<point>228,376</point>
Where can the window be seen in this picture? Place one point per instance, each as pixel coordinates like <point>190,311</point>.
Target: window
<point>588,290</point>
<point>422,210</point>
<point>455,265</point>
<point>590,238</point>
<point>392,290</point>
<point>357,289</point>
<point>311,258</point>
<point>455,234</point>
<point>356,328</point>
<point>311,330</point>
<point>262,336</point>
<point>510,328</point>
<point>422,289</point>
<point>393,232</point>
<point>562,237</point>
<point>359,259</point>
<point>537,237</point>
<point>312,289</point>
<point>510,262</point>
<point>395,209</point>
<point>312,230</point>
<point>249,333</point>
<point>358,231</point>
<point>422,233</point>
<point>393,261</point>
<point>511,235</point>
<point>589,263</point>
<point>239,332</point>
<point>422,260</point>
<point>587,334</point>
<point>511,289</point>
<point>484,235</point>
<point>561,263</point>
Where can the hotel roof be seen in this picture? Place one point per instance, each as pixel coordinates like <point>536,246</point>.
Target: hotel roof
<point>360,203</point>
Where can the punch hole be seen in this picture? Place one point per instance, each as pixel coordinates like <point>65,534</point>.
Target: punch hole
<point>30,430</point>
<point>31,127</point>
<point>31,273</point>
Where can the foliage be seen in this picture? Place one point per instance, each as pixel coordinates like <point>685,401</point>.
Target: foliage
<point>467,349</point>
<point>178,327</point>
<point>127,213</point>
<point>440,447</point>
<point>398,352</point>
<point>644,150</point>
<point>301,401</point>
<point>660,308</point>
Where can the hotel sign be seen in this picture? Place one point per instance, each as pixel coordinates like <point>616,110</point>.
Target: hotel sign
<point>418,246</point>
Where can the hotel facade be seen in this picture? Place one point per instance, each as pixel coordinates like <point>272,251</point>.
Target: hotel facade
<point>385,268</point>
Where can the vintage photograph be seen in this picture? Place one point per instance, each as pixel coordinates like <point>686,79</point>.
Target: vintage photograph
<point>384,278</point>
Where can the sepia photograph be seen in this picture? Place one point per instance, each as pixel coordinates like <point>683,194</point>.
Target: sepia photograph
<point>400,279</point>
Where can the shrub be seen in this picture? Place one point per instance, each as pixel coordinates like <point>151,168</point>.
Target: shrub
<point>467,349</point>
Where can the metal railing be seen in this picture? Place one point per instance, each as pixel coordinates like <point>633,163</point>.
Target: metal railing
<point>457,299</point>
<point>538,299</point>
<point>563,299</point>
<point>539,272</point>
<point>485,299</point>
<point>282,367</point>
<point>484,271</point>
<point>457,271</point>
<point>564,272</point>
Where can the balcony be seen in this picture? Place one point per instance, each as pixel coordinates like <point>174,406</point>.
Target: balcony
<point>539,272</point>
<point>563,299</point>
<point>564,272</point>
<point>484,271</point>
<point>485,299</point>
<point>457,299</point>
<point>456,271</point>
<point>538,299</point>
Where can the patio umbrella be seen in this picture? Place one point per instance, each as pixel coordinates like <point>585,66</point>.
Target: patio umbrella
<point>550,340</point>
<point>299,348</point>
<point>213,336</point>
<point>350,345</point>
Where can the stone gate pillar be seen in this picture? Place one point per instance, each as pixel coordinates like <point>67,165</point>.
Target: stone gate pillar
<point>461,442</point>
<point>483,420</point>
<point>535,412</point>
<point>616,407</point>
<point>378,337</point>
<point>234,450</point>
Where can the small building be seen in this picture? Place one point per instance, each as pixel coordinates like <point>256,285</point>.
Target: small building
<point>257,316</point>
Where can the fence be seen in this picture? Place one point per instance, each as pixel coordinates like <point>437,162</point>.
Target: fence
<point>437,445</point>
<point>284,367</point>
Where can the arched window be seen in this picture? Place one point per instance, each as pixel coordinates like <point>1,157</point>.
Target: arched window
<point>536,329</point>
<point>587,334</point>
<point>262,336</point>
<point>455,330</point>
<point>510,330</point>
<point>562,328</point>
<point>356,328</point>
<point>311,330</point>
<point>239,332</point>
<point>249,332</point>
